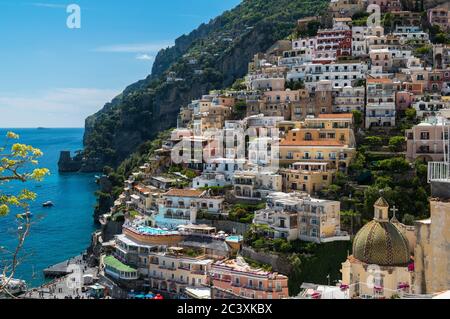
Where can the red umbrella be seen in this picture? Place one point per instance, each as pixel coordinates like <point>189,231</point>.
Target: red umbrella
<point>344,287</point>
<point>158,297</point>
<point>316,295</point>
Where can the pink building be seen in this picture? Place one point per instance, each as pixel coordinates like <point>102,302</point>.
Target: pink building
<point>435,81</point>
<point>403,100</point>
<point>440,16</point>
<point>233,279</point>
<point>425,141</point>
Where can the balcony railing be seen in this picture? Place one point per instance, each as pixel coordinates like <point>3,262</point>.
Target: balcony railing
<point>439,172</point>
<point>176,217</point>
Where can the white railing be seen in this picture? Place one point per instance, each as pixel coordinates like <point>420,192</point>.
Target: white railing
<point>439,172</point>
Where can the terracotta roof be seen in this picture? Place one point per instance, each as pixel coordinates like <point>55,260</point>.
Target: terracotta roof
<point>144,189</point>
<point>311,143</point>
<point>185,192</point>
<point>336,116</point>
<point>380,80</point>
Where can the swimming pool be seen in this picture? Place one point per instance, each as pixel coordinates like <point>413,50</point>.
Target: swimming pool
<point>154,231</point>
<point>235,238</point>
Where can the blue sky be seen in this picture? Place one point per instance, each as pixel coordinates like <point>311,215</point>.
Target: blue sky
<point>53,76</point>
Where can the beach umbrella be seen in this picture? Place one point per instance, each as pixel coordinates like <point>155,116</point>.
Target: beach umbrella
<point>140,296</point>
<point>159,297</point>
<point>149,296</point>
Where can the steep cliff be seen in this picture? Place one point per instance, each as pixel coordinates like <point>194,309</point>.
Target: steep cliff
<point>210,57</point>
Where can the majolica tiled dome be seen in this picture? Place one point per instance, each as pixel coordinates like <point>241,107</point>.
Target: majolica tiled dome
<point>381,243</point>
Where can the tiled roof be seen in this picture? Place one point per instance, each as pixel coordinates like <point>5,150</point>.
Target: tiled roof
<point>381,202</point>
<point>144,189</point>
<point>380,80</point>
<point>381,243</point>
<point>185,192</point>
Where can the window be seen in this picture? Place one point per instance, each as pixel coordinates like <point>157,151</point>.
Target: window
<point>424,135</point>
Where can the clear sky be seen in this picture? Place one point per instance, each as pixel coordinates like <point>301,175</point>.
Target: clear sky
<point>54,76</point>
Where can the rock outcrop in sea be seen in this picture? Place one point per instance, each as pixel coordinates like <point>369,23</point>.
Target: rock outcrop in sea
<point>67,163</point>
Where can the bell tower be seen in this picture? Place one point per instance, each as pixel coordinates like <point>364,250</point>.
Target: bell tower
<point>381,210</point>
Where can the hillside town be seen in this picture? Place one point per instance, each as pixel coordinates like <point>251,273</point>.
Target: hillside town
<point>258,164</point>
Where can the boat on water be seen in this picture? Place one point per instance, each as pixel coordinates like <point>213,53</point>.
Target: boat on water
<point>12,286</point>
<point>48,204</point>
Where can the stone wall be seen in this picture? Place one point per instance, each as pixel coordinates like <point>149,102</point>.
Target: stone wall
<point>278,263</point>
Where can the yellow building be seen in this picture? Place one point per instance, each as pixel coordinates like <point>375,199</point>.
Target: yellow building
<point>380,264</point>
<point>214,116</point>
<point>326,138</point>
<point>308,177</point>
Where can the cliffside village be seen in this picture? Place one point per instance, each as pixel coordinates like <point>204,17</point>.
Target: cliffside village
<point>285,146</point>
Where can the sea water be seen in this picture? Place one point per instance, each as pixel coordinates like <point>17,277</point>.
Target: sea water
<point>60,232</point>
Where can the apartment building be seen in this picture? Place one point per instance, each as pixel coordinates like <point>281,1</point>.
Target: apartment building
<point>426,140</point>
<point>333,43</point>
<point>327,138</point>
<point>440,16</point>
<point>387,5</point>
<point>214,117</point>
<point>256,185</point>
<point>382,58</point>
<point>180,206</point>
<point>235,279</point>
<point>274,103</point>
<point>380,106</point>
<point>265,82</point>
<point>429,105</point>
<point>299,216</point>
<point>309,177</point>
<point>172,272</point>
<point>144,198</point>
<point>411,34</point>
<point>348,99</point>
<point>340,74</point>
<point>359,41</point>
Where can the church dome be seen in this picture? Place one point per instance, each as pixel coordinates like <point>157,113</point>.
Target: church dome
<point>381,243</point>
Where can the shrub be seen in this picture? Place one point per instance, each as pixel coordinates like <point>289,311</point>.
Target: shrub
<point>396,143</point>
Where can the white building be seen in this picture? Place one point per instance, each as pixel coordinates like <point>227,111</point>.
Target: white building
<point>298,216</point>
<point>412,34</point>
<point>348,99</point>
<point>256,185</point>
<point>180,207</point>
<point>340,74</point>
<point>359,41</point>
<point>380,106</point>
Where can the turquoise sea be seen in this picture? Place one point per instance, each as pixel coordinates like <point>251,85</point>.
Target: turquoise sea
<point>64,230</point>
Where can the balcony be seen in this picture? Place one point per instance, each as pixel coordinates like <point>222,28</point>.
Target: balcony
<point>171,216</point>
